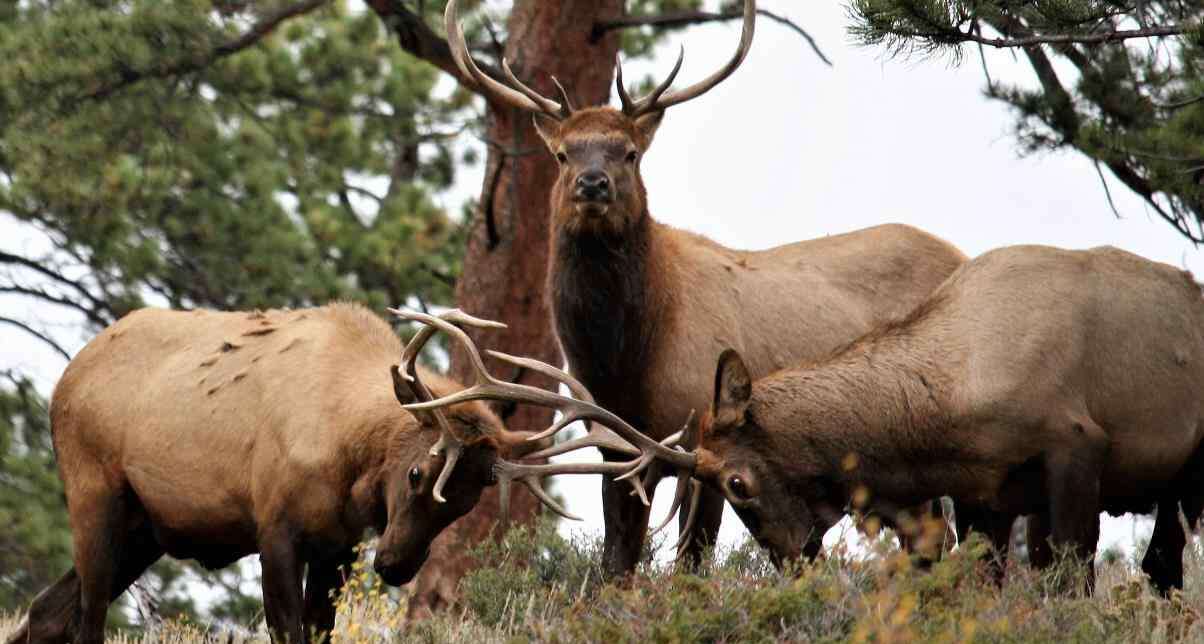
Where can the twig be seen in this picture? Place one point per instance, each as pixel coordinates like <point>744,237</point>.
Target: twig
<point>37,334</point>
<point>1107,193</point>
<point>674,19</point>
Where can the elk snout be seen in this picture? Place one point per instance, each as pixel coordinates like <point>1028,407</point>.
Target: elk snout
<point>396,570</point>
<point>593,185</point>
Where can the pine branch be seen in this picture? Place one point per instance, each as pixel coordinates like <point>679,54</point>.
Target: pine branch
<point>957,36</point>
<point>677,19</point>
<point>41,269</point>
<point>252,36</point>
<point>37,334</point>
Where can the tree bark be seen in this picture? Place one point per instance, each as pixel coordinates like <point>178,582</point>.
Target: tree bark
<point>505,264</point>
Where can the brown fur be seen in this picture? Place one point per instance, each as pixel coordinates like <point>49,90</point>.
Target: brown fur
<point>1034,381</point>
<point>642,309</point>
<point>211,436</point>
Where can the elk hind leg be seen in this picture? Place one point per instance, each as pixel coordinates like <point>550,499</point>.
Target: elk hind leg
<point>55,614</point>
<point>106,549</point>
<point>1163,560</point>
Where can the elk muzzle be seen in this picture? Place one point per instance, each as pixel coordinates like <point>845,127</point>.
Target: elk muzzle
<point>395,569</point>
<point>593,193</point>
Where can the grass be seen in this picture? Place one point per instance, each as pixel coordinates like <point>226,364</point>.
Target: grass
<point>542,587</point>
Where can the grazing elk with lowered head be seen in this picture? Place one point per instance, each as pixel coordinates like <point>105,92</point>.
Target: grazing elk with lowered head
<point>641,309</point>
<point>1035,381</point>
<point>211,436</point>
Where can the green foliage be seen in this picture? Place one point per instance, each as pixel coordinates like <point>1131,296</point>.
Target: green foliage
<point>545,588</point>
<point>1133,107</point>
<point>35,545</point>
<point>174,153</point>
<point>300,169</point>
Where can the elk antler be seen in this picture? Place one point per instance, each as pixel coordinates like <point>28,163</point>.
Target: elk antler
<point>409,373</point>
<point>658,100</point>
<point>624,438</point>
<point>518,94</point>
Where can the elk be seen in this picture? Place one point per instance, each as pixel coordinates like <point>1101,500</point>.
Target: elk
<point>641,309</point>
<point>211,436</point>
<point>1035,380</point>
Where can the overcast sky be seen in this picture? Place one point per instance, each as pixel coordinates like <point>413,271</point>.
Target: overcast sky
<point>790,149</point>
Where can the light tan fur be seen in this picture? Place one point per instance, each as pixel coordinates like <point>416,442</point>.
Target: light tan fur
<point>214,435</point>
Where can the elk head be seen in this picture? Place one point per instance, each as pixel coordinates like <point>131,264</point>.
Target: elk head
<point>599,189</point>
<point>474,449</point>
<point>774,488</point>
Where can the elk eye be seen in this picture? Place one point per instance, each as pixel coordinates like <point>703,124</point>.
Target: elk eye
<point>562,157</point>
<point>415,476</point>
<point>738,487</point>
<point>632,156</point>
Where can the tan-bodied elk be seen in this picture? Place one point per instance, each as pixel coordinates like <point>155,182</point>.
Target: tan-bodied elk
<point>641,309</point>
<point>1035,381</point>
<point>212,436</point>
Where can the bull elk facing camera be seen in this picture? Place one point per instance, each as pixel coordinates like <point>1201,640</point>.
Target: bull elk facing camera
<point>212,436</point>
<point>642,309</point>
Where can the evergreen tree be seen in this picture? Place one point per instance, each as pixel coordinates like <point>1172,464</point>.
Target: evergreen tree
<point>236,155</point>
<point>1134,102</point>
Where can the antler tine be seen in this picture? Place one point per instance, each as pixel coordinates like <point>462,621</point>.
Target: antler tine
<point>683,538</point>
<point>524,98</point>
<point>709,83</point>
<point>598,435</point>
<point>488,387</point>
<point>558,111</point>
<point>648,103</point>
<point>447,443</point>
<point>565,102</point>
<point>624,97</point>
<point>575,387</point>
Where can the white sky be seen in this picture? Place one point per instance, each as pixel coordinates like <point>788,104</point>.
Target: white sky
<point>790,149</point>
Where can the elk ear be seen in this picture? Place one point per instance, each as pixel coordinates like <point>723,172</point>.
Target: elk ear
<point>733,390</point>
<point>401,389</point>
<point>647,125</point>
<point>548,129</point>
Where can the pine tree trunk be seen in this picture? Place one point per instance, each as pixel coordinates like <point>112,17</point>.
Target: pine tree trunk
<point>506,261</point>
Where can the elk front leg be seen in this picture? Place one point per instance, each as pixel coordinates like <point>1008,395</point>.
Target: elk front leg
<point>282,598</point>
<point>321,581</point>
<point>626,523</point>
<point>706,527</point>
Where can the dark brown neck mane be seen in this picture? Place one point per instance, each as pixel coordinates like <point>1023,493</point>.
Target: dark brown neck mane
<point>601,291</point>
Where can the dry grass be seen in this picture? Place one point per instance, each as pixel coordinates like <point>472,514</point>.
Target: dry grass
<point>544,588</point>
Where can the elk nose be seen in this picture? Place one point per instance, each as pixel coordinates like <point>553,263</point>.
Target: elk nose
<point>593,186</point>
